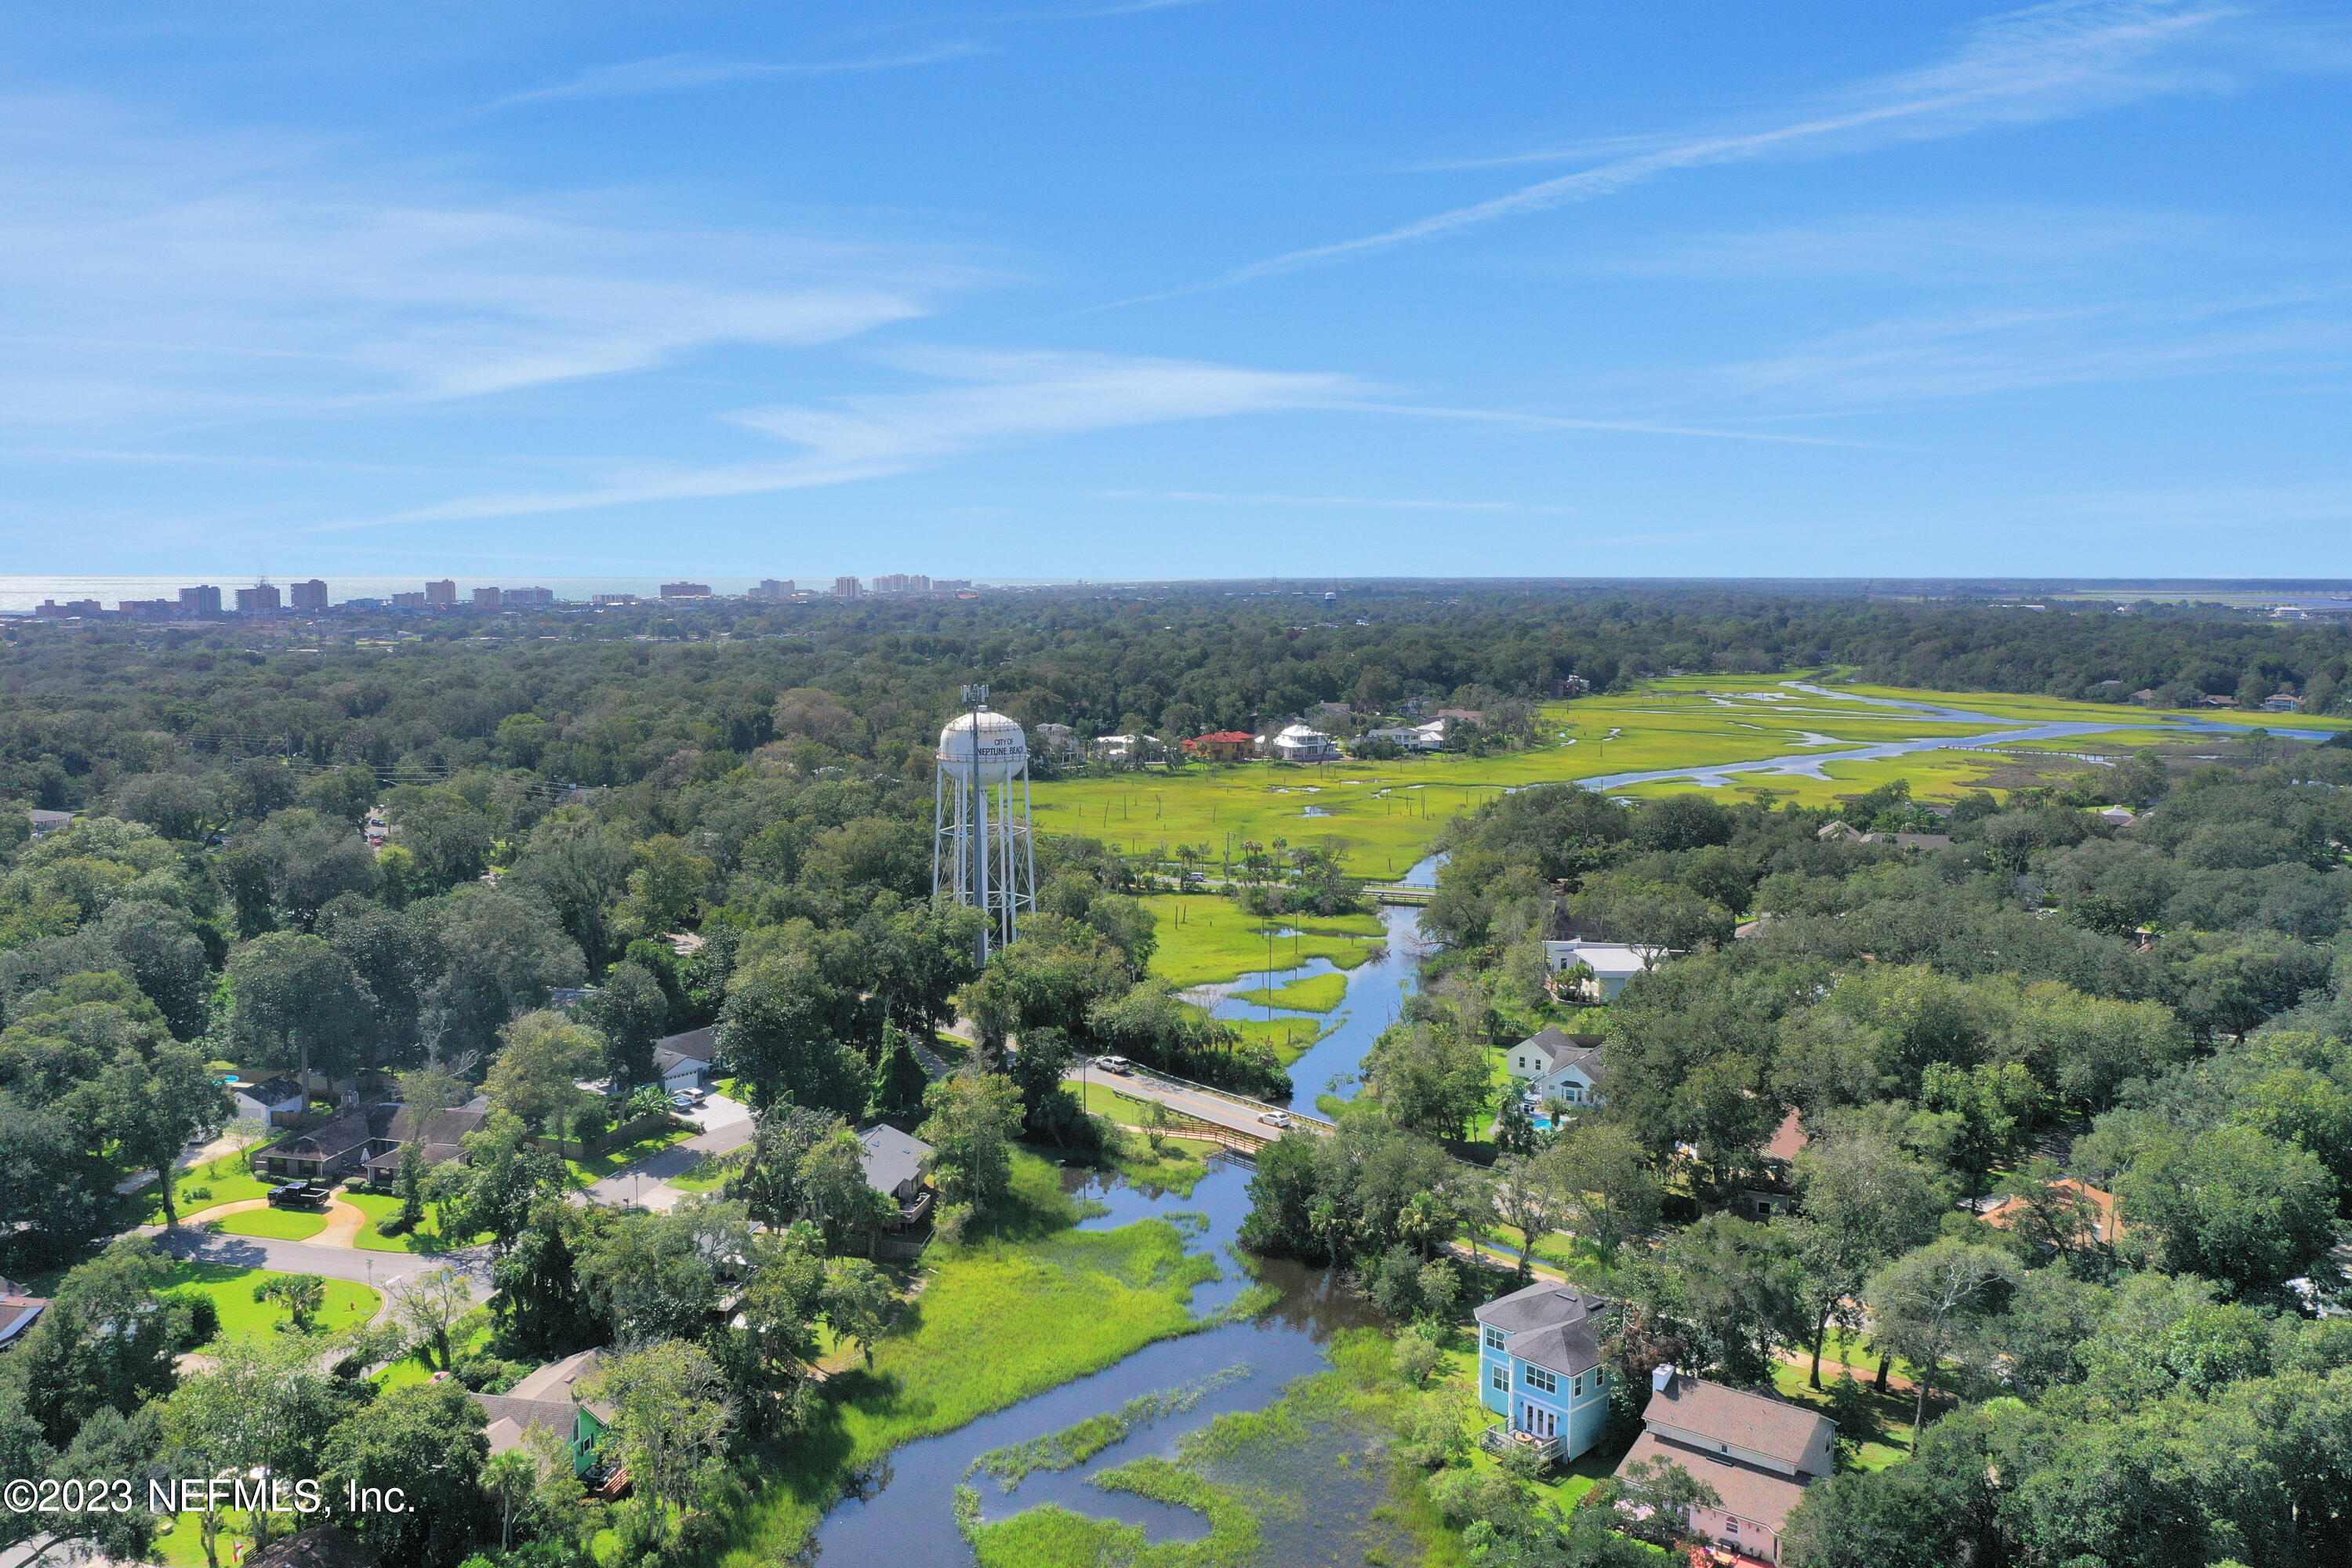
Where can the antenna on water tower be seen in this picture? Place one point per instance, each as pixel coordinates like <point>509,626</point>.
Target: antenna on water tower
<point>981,848</point>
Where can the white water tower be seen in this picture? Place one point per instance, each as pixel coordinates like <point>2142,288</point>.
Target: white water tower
<point>980,849</point>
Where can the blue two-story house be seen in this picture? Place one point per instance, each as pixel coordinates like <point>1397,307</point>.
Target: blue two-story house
<point>1542,1370</point>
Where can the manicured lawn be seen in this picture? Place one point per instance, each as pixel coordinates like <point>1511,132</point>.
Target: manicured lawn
<point>1890,1412</point>
<point>1204,940</point>
<point>470,1337</point>
<point>598,1167</point>
<point>382,1207</point>
<point>707,1176</point>
<point>278,1224</point>
<point>998,1321</point>
<point>349,1304</point>
<point>1317,994</point>
<point>225,1178</point>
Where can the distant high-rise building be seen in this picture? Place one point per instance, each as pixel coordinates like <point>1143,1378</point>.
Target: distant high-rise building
<point>261,599</point>
<point>486,598</point>
<point>845,588</point>
<point>773,588</point>
<point>685,590</point>
<point>531,597</point>
<point>310,596</point>
<point>408,601</point>
<point>442,593</point>
<point>144,607</point>
<point>70,607</point>
<point>204,601</point>
<point>605,601</point>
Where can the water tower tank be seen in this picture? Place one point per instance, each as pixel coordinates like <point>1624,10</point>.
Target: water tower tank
<point>1003,748</point>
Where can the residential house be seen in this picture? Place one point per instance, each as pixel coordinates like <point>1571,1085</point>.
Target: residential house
<point>1298,743</point>
<point>2105,1223</point>
<point>683,1061</point>
<point>20,1310</point>
<point>1612,963</point>
<point>1758,1453</point>
<point>2119,816</point>
<point>1559,1066</point>
<point>1773,1190</point>
<point>1125,748</point>
<point>325,1153</point>
<point>440,1141</point>
<point>894,1167</point>
<point>2283,702</point>
<point>1540,1369</point>
<point>273,1102</point>
<point>47,822</point>
<point>1429,737</point>
<point>1224,746</point>
<point>550,1398</point>
<point>1844,833</point>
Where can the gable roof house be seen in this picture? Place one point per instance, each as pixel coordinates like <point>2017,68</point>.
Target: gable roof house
<point>440,1142</point>
<point>1559,1066</point>
<point>20,1310</point>
<point>327,1152</point>
<point>684,1061</point>
<point>1612,963</point>
<point>271,1102</point>
<point>549,1398</point>
<point>893,1162</point>
<point>1298,743</point>
<point>1542,1370</point>
<point>1758,1453</point>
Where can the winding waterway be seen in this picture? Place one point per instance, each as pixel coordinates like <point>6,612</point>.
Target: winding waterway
<point>902,1512</point>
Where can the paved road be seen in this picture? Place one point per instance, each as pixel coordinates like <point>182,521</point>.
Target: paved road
<point>307,1257</point>
<point>1219,1111</point>
<point>725,1126</point>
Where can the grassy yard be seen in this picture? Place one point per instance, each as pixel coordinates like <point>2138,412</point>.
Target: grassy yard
<point>349,1304</point>
<point>381,1208</point>
<point>225,1179</point>
<point>278,1224</point>
<point>1315,994</point>
<point>1884,1419</point>
<point>998,1321</point>
<point>179,1542</point>
<point>707,1176</point>
<point>470,1337</point>
<point>612,1161</point>
<point>1205,939</point>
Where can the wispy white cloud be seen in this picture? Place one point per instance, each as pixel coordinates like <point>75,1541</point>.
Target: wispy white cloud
<point>146,277</point>
<point>679,73</point>
<point>1970,352</point>
<point>1386,503</point>
<point>989,401</point>
<point>2043,63</point>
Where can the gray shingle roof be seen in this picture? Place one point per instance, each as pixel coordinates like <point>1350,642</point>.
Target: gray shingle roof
<point>893,1160</point>
<point>1560,1051</point>
<point>1551,1324</point>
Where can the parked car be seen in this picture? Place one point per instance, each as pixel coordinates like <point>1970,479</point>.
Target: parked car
<point>681,1100</point>
<point>1114,1063</point>
<point>1274,1117</point>
<point>298,1195</point>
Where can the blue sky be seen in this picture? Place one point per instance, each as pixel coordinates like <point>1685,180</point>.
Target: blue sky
<point>1194,289</point>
